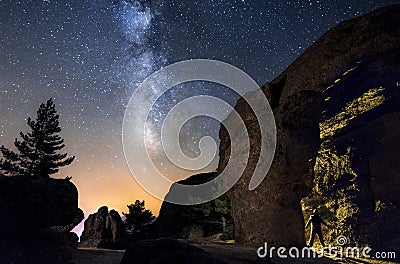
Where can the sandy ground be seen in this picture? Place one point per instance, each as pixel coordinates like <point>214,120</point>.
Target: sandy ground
<point>231,253</point>
<point>97,256</point>
<point>239,254</point>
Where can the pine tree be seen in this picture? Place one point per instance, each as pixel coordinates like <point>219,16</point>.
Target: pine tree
<point>38,150</point>
<point>138,218</point>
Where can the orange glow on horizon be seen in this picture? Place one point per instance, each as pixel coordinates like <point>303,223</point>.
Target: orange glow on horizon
<point>115,189</point>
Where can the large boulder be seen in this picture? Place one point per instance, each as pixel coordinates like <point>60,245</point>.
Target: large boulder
<point>32,203</point>
<point>315,103</point>
<point>166,250</point>
<point>104,229</point>
<point>193,222</point>
<point>31,209</point>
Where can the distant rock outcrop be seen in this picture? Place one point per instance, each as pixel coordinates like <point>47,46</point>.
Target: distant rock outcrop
<point>337,116</point>
<point>166,250</point>
<point>193,222</point>
<point>104,230</point>
<point>37,215</point>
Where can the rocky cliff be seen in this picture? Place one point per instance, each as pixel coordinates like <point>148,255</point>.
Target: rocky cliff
<point>103,229</point>
<point>37,214</point>
<point>337,117</point>
<point>356,181</point>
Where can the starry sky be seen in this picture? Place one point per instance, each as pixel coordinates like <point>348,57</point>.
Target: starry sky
<point>90,56</point>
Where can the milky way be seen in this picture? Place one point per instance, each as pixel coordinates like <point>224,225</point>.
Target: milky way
<point>91,55</point>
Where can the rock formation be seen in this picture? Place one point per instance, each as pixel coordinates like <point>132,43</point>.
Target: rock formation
<point>37,215</point>
<point>356,179</point>
<point>336,111</point>
<point>193,222</point>
<point>103,230</point>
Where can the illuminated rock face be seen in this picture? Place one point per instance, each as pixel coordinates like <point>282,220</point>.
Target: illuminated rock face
<point>336,109</point>
<point>356,182</point>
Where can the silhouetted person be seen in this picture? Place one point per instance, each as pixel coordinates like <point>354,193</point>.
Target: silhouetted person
<point>315,220</point>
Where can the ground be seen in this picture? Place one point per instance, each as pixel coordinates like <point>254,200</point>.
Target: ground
<point>231,253</point>
<point>97,256</point>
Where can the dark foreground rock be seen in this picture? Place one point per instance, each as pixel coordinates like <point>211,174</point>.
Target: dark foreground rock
<point>337,116</point>
<point>166,250</point>
<point>34,211</point>
<point>104,229</point>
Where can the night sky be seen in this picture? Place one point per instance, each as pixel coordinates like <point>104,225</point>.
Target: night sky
<point>91,55</point>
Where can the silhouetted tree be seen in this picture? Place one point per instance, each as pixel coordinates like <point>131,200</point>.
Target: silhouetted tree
<point>138,219</point>
<point>38,149</point>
